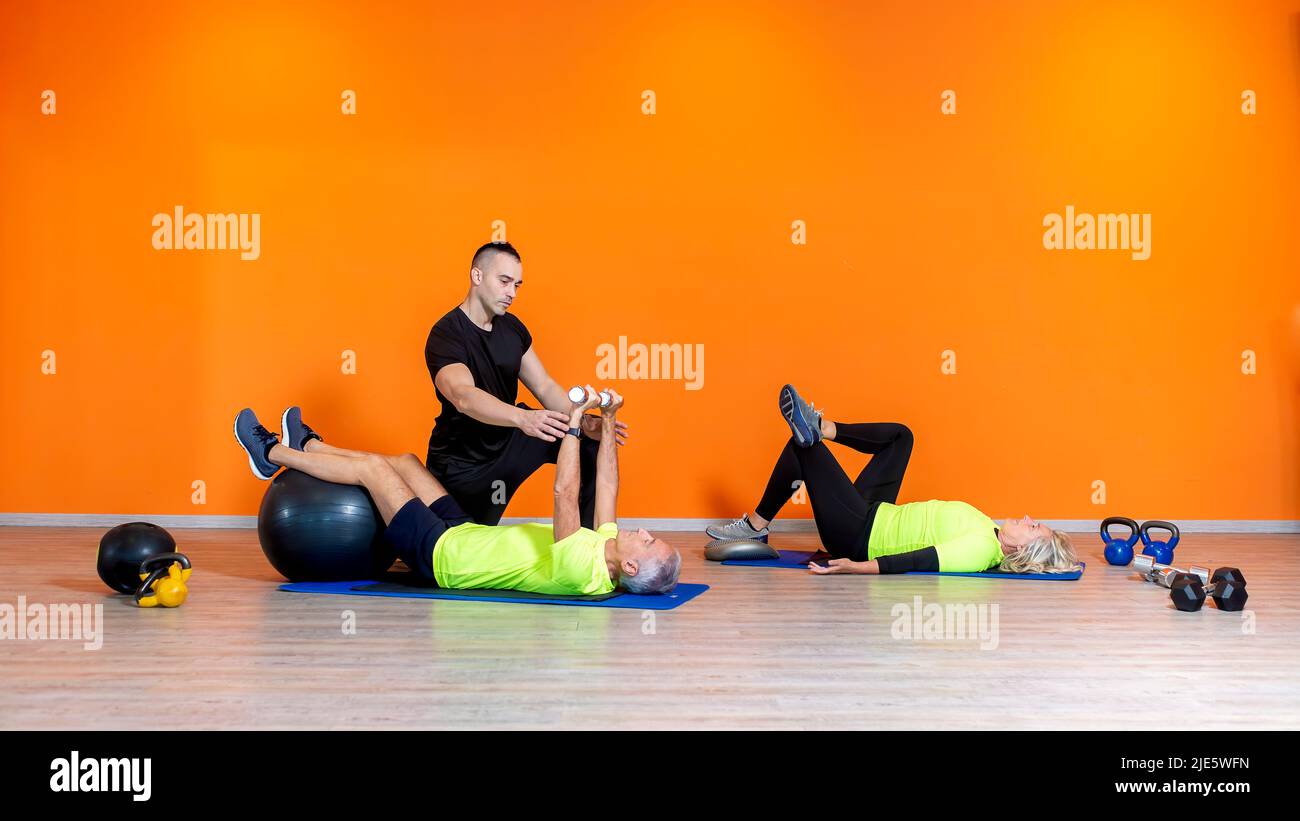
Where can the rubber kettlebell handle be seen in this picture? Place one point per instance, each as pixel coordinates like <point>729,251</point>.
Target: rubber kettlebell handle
<point>146,586</point>
<point>162,565</point>
<point>166,560</point>
<point>1160,525</point>
<point>1120,520</point>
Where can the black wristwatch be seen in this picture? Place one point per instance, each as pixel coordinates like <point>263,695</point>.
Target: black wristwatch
<point>575,432</point>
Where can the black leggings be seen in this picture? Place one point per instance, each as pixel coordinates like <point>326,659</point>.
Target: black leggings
<point>842,509</point>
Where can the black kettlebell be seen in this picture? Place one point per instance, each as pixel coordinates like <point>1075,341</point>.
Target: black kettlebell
<point>123,548</point>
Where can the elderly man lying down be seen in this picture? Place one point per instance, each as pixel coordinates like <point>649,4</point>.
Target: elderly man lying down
<point>436,538</point>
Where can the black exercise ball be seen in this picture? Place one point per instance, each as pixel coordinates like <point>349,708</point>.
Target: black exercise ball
<point>316,531</point>
<point>122,549</point>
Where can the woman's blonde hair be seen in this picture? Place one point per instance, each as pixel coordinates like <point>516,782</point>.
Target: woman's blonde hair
<point>1048,554</point>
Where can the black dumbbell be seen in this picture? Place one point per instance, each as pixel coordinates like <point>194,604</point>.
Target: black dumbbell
<point>1165,575</point>
<point>1227,588</point>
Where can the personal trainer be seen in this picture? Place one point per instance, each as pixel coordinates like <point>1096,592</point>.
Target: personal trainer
<point>484,444</point>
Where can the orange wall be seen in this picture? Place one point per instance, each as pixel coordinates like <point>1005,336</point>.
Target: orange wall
<point>924,234</point>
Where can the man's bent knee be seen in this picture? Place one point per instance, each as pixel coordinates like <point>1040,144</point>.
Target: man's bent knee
<point>375,464</point>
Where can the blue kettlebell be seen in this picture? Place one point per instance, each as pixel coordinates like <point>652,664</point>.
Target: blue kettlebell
<point>1163,552</point>
<point>1119,551</point>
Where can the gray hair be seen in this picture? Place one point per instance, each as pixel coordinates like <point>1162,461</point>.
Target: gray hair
<point>654,575</point>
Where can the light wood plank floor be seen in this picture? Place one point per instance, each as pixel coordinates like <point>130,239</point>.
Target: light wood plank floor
<point>761,649</point>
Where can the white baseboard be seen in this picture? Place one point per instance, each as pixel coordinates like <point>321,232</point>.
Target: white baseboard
<point>111,519</point>
<point>781,526</point>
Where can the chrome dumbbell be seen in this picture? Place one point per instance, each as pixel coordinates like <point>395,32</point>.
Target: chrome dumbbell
<point>1165,575</point>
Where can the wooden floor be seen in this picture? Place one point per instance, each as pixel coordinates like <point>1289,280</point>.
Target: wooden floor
<point>761,649</point>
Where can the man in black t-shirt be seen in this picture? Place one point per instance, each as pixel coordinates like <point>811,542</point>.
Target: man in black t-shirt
<point>484,444</point>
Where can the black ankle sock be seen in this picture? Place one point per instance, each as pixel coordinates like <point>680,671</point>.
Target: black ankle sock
<point>267,455</point>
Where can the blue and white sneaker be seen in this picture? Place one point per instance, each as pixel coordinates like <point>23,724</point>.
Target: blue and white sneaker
<point>805,421</point>
<point>257,442</point>
<point>294,432</point>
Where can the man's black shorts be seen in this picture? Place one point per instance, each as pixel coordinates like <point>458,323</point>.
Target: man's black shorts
<point>416,528</point>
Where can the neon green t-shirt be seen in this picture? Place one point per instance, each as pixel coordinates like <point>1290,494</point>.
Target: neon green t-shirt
<point>524,557</point>
<point>961,535</point>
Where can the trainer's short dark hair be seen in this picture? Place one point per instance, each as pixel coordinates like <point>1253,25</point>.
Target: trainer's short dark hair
<point>486,251</point>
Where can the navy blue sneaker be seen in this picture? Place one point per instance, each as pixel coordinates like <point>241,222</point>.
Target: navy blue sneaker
<point>257,442</point>
<point>294,432</point>
<point>805,422</point>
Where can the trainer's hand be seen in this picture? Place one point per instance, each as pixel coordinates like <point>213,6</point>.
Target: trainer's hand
<point>547,425</point>
<point>592,424</point>
<point>835,567</point>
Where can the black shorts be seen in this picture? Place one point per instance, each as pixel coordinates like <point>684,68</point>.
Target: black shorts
<point>478,486</point>
<point>416,528</point>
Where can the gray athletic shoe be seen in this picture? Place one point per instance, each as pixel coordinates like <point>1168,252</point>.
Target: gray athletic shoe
<point>257,442</point>
<point>739,529</point>
<point>805,421</point>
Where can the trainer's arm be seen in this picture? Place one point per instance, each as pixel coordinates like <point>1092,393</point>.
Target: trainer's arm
<point>555,398</point>
<point>457,384</point>
<point>534,376</point>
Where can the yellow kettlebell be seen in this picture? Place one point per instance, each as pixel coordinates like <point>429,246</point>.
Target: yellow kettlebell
<point>162,580</point>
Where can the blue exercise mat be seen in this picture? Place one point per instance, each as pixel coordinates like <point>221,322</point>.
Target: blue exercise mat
<point>798,560</point>
<point>680,595</point>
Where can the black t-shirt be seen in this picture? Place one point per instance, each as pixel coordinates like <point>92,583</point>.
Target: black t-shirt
<point>493,358</point>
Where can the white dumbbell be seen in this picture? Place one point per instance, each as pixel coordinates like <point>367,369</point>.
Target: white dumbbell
<point>578,395</point>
